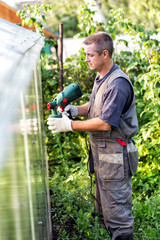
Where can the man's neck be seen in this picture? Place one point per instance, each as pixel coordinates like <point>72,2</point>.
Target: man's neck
<point>106,68</point>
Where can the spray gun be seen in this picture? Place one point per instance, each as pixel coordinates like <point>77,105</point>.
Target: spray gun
<point>69,94</point>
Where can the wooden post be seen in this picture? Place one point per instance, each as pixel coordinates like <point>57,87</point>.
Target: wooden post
<point>61,55</point>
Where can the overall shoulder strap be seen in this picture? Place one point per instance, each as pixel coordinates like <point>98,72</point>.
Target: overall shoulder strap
<point>99,96</point>
<point>115,74</point>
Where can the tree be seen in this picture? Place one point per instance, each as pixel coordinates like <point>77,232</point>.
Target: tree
<point>137,11</point>
<point>65,11</point>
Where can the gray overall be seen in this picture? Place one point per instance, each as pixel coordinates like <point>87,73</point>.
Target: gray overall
<point>115,159</point>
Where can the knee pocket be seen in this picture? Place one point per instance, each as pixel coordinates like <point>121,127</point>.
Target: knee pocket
<point>118,216</point>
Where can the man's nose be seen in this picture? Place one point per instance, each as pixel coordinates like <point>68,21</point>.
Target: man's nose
<point>87,59</point>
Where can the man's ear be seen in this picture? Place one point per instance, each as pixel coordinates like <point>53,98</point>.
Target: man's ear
<point>105,53</point>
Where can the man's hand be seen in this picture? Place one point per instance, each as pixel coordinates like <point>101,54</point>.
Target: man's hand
<point>73,110</point>
<point>63,124</point>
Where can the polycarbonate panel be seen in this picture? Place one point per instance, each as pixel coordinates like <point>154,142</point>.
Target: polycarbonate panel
<point>24,194</point>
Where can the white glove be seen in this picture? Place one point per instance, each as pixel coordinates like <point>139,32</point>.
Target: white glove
<point>63,124</point>
<point>73,110</point>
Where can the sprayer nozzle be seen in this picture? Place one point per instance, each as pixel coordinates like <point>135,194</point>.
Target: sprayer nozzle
<point>48,106</point>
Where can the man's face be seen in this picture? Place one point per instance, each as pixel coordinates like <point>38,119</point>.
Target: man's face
<point>94,60</point>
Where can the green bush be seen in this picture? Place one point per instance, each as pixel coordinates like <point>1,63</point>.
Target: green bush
<point>73,213</point>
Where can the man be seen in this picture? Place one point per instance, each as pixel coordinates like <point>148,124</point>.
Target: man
<point>112,122</point>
